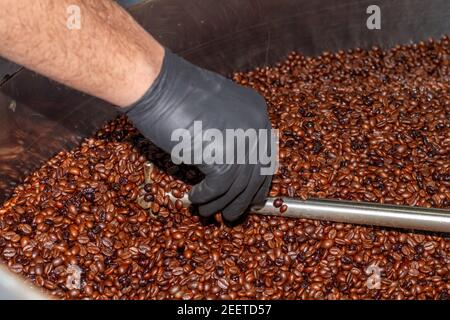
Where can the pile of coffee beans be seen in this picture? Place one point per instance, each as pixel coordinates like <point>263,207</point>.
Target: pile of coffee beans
<point>358,125</point>
<point>362,125</point>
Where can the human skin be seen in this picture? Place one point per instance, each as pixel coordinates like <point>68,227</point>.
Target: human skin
<point>110,56</point>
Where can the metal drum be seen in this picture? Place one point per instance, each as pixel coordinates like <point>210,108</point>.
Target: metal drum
<point>39,117</point>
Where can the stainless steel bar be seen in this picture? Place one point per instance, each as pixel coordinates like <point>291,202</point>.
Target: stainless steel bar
<point>406,217</point>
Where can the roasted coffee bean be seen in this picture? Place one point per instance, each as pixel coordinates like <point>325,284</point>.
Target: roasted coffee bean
<point>278,202</point>
<point>9,253</point>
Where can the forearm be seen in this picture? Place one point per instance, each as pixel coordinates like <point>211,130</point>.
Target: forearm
<point>110,56</point>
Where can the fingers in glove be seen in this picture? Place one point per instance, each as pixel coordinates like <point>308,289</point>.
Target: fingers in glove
<point>212,186</point>
<point>241,203</point>
<point>238,185</point>
<point>261,195</point>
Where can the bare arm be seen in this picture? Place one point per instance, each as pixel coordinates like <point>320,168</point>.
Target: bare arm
<point>110,56</point>
<point>113,58</point>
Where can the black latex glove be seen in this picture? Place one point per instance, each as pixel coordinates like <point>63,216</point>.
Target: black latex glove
<point>184,93</point>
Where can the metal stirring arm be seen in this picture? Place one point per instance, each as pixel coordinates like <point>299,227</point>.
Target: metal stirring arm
<point>365,213</point>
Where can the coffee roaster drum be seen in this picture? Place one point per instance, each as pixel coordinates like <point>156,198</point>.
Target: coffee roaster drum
<point>39,117</point>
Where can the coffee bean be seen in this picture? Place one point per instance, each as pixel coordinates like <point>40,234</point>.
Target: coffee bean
<point>9,253</point>
<point>74,170</point>
<point>278,202</point>
<point>327,243</point>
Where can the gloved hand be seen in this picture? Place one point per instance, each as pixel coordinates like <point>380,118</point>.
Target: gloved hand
<point>183,94</point>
